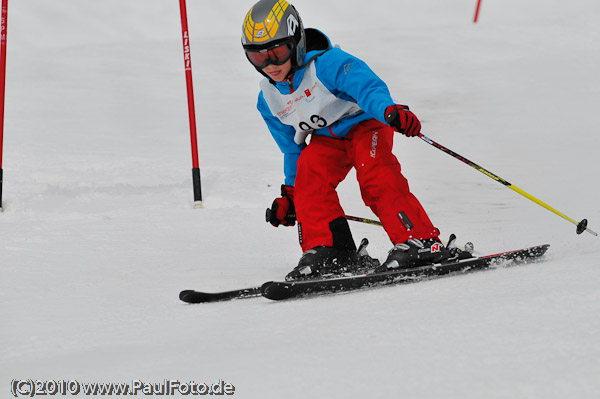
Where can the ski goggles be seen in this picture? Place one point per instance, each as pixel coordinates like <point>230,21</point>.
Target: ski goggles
<point>276,55</point>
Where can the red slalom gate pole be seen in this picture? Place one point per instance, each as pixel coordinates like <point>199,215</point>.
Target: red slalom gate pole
<point>187,59</point>
<point>477,11</point>
<point>2,86</point>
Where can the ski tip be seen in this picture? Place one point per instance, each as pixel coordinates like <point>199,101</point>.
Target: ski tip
<point>535,252</point>
<point>187,296</point>
<point>265,287</point>
<point>193,296</point>
<point>276,290</point>
<point>183,295</point>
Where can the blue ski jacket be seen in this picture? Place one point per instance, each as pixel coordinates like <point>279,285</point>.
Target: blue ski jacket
<point>347,78</point>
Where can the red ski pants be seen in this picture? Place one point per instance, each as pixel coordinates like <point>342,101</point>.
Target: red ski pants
<point>326,161</point>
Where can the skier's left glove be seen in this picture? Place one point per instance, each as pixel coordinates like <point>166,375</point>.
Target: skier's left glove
<point>400,117</point>
<point>282,210</point>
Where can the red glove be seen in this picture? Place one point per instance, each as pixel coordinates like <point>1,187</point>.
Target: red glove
<point>400,117</point>
<point>282,211</point>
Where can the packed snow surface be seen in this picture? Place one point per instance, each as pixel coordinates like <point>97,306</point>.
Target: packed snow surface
<point>99,233</point>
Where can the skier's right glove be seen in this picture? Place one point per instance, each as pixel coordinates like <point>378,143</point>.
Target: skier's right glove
<point>403,120</point>
<point>282,210</point>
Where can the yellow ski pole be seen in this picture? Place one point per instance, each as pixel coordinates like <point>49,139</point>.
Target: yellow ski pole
<point>364,220</point>
<point>581,226</point>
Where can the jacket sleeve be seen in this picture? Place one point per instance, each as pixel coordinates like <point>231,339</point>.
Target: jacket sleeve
<point>350,78</point>
<point>284,137</point>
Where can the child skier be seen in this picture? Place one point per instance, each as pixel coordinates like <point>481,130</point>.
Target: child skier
<point>313,88</point>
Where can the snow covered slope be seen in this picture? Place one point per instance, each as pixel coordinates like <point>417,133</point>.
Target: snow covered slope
<point>99,235</point>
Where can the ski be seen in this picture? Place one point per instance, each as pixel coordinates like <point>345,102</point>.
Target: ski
<point>279,290</point>
<point>192,296</point>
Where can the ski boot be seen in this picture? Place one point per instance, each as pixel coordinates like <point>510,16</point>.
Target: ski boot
<point>324,261</point>
<point>415,252</point>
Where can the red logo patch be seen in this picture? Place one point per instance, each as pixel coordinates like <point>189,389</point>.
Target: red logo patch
<point>307,92</point>
<point>436,248</point>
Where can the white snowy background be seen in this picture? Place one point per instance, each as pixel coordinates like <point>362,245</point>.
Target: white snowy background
<point>98,233</point>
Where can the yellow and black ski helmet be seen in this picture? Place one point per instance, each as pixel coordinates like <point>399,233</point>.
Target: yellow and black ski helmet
<point>272,28</point>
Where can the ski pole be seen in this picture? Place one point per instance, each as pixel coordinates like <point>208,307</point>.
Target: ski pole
<point>581,226</point>
<point>270,213</point>
<point>477,7</point>
<point>2,84</point>
<point>363,220</point>
<point>187,58</point>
